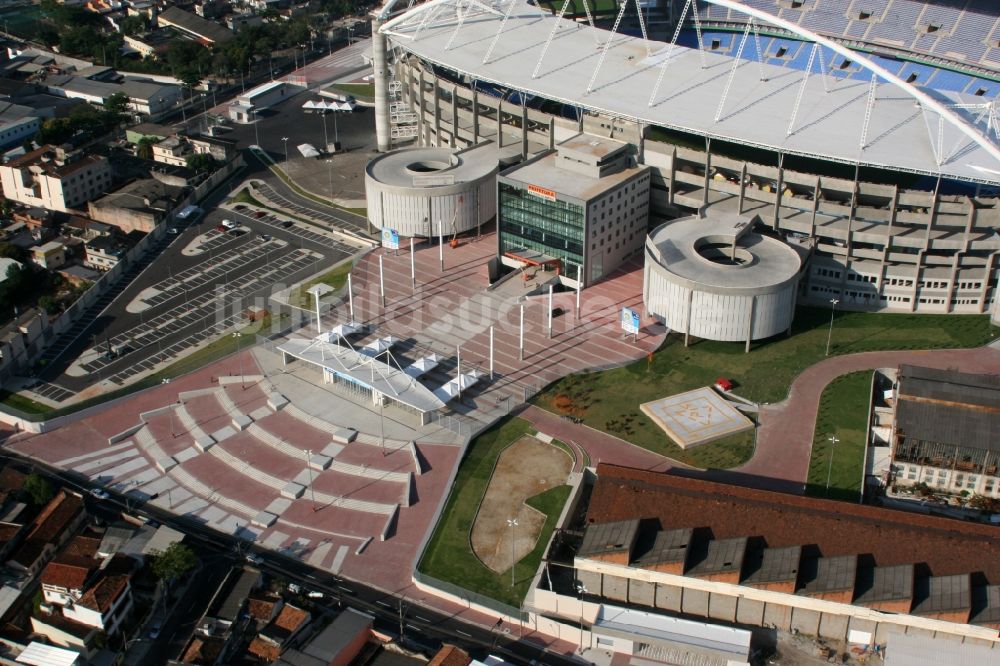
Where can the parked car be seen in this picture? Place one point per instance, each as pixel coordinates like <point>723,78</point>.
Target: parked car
<point>236,232</point>
<point>229,224</point>
<point>172,231</point>
<point>254,559</point>
<point>265,237</point>
<point>286,224</point>
<point>154,631</point>
<point>220,229</point>
<point>100,494</point>
<point>259,214</point>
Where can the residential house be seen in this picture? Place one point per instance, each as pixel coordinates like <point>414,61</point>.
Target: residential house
<point>105,604</point>
<point>41,223</point>
<point>52,178</point>
<point>337,645</point>
<point>102,253</point>
<point>63,582</point>
<point>52,527</point>
<point>147,98</point>
<point>141,205</point>
<point>50,256</point>
<point>67,633</point>
<point>450,655</point>
<point>151,44</point>
<point>279,633</point>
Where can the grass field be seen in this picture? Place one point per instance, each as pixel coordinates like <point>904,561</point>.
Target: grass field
<point>610,400</point>
<point>576,8</point>
<point>449,555</point>
<point>360,91</point>
<point>843,413</point>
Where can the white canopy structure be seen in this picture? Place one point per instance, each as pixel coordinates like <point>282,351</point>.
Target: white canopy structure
<point>879,120</point>
<point>454,388</point>
<point>422,366</point>
<point>331,105</point>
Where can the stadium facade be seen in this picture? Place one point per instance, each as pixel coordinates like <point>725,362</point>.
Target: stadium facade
<point>820,119</point>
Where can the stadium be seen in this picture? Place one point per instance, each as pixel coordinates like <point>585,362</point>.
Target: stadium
<point>866,131</point>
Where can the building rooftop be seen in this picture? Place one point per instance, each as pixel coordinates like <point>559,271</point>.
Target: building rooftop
<point>609,538</point>
<point>752,107</point>
<point>146,194</point>
<point>892,537</point>
<point>942,594</point>
<point>208,30</point>
<point>51,161</point>
<point>327,645</point>
<point>880,584</point>
<point>717,556</point>
<point>449,655</point>
<point>667,546</point>
<point>102,595</point>
<point>544,171</point>
<point>772,565</point>
<point>948,407</point>
<point>65,575</point>
<point>232,594</point>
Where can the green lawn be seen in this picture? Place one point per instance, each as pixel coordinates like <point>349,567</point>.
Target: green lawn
<point>843,413</point>
<point>244,197</point>
<point>610,400</point>
<point>576,7</point>
<point>336,278</point>
<point>361,91</point>
<point>449,555</point>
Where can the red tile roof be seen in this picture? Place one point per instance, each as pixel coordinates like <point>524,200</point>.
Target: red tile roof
<point>262,608</point>
<point>946,546</point>
<point>203,650</point>
<point>101,596</point>
<point>64,575</point>
<point>56,516</point>
<point>266,650</point>
<point>81,546</point>
<point>449,655</point>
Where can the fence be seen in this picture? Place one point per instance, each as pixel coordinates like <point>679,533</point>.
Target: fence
<point>469,596</point>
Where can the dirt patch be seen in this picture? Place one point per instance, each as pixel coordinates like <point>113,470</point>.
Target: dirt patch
<point>525,468</point>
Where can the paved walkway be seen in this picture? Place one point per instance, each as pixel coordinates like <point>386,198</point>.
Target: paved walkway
<point>785,436</point>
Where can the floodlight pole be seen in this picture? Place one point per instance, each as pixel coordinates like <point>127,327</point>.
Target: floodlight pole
<point>441,244</point>
<point>829,468</point>
<point>491,353</point>
<point>512,523</point>
<point>413,268</point>
<point>312,491</point>
<point>381,281</point>
<point>459,350</point>
<point>319,325</point>
<point>829,335</point>
<point>520,346</point>
<point>550,310</point>
<point>350,296</point>
<point>579,284</point>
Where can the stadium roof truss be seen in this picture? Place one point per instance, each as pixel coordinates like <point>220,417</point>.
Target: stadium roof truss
<point>811,112</point>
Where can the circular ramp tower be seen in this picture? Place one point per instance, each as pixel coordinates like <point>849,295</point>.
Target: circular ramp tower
<point>426,192</point>
<point>716,278</point>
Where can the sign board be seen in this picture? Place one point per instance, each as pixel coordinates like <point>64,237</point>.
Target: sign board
<point>433,180</point>
<point>390,239</point>
<point>542,192</point>
<point>630,321</point>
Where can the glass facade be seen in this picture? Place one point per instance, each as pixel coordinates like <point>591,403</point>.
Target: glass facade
<point>553,228</point>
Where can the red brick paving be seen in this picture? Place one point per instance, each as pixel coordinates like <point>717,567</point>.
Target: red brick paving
<point>230,483</point>
<point>357,487</point>
<point>306,437</point>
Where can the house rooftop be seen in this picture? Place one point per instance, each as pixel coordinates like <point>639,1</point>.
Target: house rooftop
<point>942,594</point>
<point>949,407</point>
<point>772,565</point>
<point>102,596</point>
<point>881,584</point>
<point>65,575</point>
<point>718,556</point>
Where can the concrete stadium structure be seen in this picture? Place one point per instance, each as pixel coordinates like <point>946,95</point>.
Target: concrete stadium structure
<point>431,191</point>
<point>719,279</point>
<point>894,183</point>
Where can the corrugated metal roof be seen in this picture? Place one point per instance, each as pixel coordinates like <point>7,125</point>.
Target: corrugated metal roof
<point>39,654</point>
<point>916,650</point>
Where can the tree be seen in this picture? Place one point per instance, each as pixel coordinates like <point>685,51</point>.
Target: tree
<point>174,563</point>
<point>202,163</point>
<point>37,489</point>
<point>144,148</point>
<point>117,107</point>
<point>132,25</point>
<point>48,304</point>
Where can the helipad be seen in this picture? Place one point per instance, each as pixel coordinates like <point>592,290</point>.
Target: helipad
<point>696,417</point>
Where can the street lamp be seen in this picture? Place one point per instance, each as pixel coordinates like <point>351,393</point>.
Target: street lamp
<point>285,140</point>
<point>326,138</point>
<point>512,523</point>
<point>829,335</point>
<point>312,491</point>
<point>829,468</point>
<point>239,339</point>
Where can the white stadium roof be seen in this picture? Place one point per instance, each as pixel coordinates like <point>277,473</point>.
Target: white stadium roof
<point>907,129</point>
